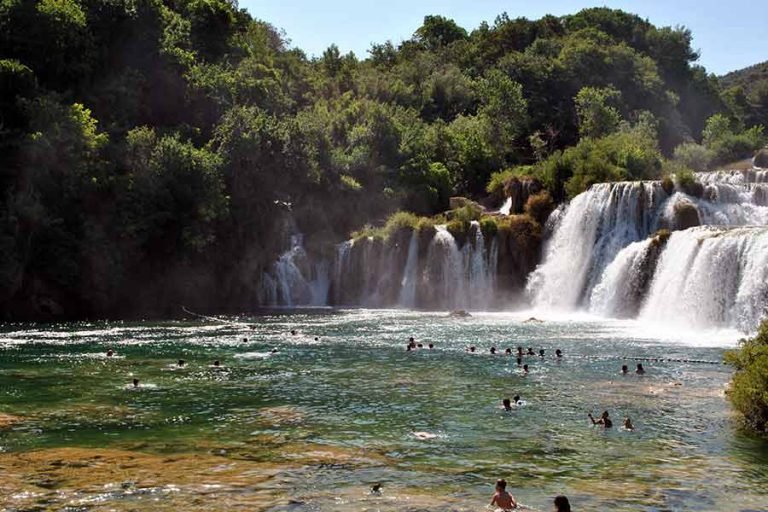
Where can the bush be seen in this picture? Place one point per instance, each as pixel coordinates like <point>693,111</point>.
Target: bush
<point>499,179</point>
<point>668,184</point>
<point>694,156</point>
<point>749,389</point>
<point>466,213</point>
<point>458,229</point>
<point>687,182</point>
<point>539,206</point>
<point>488,227</point>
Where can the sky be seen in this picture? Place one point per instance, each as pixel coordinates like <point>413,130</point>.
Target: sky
<point>730,34</point>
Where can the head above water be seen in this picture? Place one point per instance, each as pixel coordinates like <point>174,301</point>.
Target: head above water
<point>501,484</point>
<point>559,353</point>
<point>472,348</point>
<point>562,504</point>
<point>493,350</point>
<point>110,353</point>
<point>624,368</point>
<point>508,351</point>
<point>181,362</point>
<point>431,345</point>
<point>516,398</point>
<point>293,332</point>
<point>217,363</point>
<point>135,383</point>
<point>507,404</point>
<point>541,352</point>
<point>525,367</point>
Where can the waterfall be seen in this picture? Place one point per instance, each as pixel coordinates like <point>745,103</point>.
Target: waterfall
<point>407,297</point>
<point>712,276</point>
<point>444,273</point>
<point>590,233</point>
<point>294,279</point>
<point>601,255</point>
<point>506,208</point>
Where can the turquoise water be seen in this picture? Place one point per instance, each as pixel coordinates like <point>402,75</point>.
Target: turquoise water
<point>334,415</point>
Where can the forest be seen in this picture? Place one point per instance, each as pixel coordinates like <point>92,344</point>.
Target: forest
<point>158,153</point>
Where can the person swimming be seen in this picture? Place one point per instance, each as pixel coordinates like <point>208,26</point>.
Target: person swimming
<point>624,369</point>
<point>628,424</point>
<point>181,363</point>
<point>317,339</point>
<point>604,420</point>
<point>525,369</point>
<point>293,332</point>
<point>431,346</point>
<point>110,353</point>
<point>273,351</point>
<point>135,383</point>
<point>541,352</point>
<point>420,345</point>
<point>562,504</point>
<point>530,352</point>
<point>508,351</point>
<point>493,350</point>
<point>559,353</point>
<point>217,364</point>
<point>472,348</point>
<point>520,351</point>
<point>408,348</point>
<point>507,404</point>
<point>640,370</point>
<point>502,498</point>
<point>519,361</point>
<point>245,340</point>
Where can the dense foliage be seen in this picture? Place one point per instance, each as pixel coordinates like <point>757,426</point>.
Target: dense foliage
<point>159,152</point>
<point>749,390</point>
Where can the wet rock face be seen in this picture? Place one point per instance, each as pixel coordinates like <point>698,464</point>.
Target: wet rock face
<point>761,159</point>
<point>519,190</point>
<point>686,215</point>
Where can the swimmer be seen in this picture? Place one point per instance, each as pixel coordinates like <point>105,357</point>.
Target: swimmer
<point>507,404</point>
<point>472,349</point>
<point>530,352</point>
<point>559,353</point>
<point>508,351</point>
<point>273,351</point>
<point>408,348</point>
<point>135,383</point>
<point>376,488</point>
<point>420,345</point>
<point>431,346</point>
<point>562,504</point>
<point>181,363</point>
<point>518,402</point>
<point>628,424</point>
<point>245,340</point>
<point>520,351</point>
<point>493,350</point>
<point>525,369</point>
<point>624,369</point>
<point>293,332</point>
<point>541,352</point>
<point>519,361</point>
<point>640,370</point>
<point>502,498</point>
<point>110,353</point>
<point>217,363</point>
<point>317,339</point>
<point>604,420</point>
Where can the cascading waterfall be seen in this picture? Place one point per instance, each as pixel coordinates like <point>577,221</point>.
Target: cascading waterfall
<point>602,256</point>
<point>592,230</point>
<point>295,280</point>
<point>710,277</point>
<point>407,297</point>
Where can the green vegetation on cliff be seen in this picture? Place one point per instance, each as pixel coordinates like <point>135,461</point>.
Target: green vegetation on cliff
<point>155,153</point>
<point>749,389</point>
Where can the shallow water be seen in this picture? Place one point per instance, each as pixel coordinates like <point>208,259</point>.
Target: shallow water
<point>314,425</point>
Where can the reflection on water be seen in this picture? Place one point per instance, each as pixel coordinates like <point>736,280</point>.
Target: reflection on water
<point>315,424</point>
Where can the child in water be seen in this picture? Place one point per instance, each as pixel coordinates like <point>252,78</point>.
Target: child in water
<point>502,498</point>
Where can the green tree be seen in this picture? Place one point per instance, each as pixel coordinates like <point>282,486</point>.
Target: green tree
<point>597,116</point>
